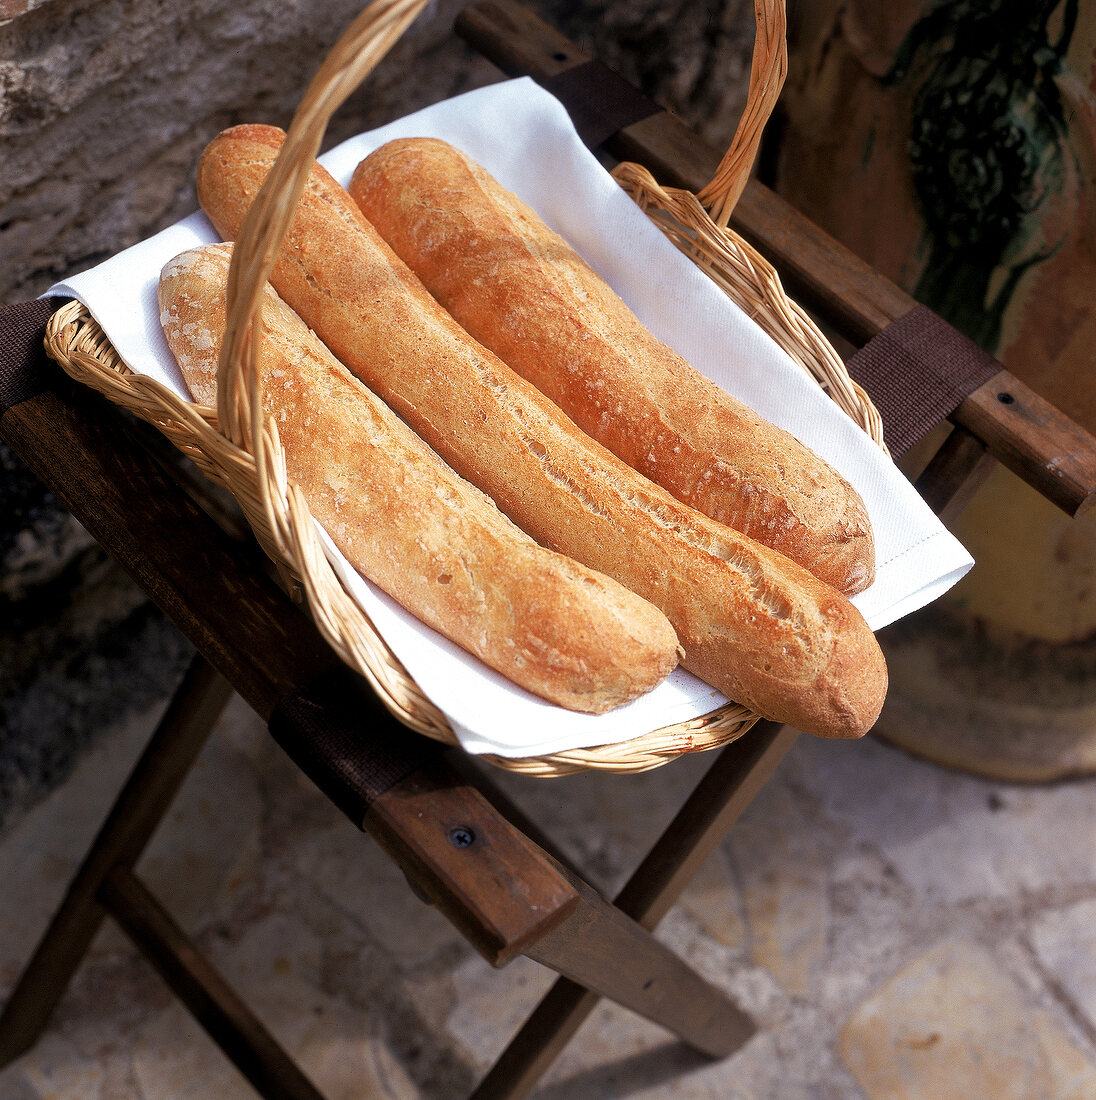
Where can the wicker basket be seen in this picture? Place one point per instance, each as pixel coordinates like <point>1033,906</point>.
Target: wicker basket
<point>236,449</point>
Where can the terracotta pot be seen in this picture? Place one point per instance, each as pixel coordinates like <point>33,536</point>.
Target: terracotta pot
<point>952,143</point>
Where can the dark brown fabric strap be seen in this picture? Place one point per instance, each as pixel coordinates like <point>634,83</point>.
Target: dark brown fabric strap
<point>600,102</point>
<point>344,740</point>
<point>918,371</point>
<point>25,369</point>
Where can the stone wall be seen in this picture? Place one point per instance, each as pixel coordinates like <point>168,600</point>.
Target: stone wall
<point>104,108</point>
<point>107,105</point>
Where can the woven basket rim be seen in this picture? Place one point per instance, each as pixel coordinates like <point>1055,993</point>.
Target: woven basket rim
<point>84,351</point>
<point>235,448</point>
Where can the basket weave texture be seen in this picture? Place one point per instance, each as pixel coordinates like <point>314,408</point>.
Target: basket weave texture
<point>235,448</point>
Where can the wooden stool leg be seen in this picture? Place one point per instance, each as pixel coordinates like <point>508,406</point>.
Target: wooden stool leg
<point>607,952</point>
<point>720,799</point>
<point>552,1025</point>
<point>201,988</point>
<point>728,787</point>
<point>140,807</point>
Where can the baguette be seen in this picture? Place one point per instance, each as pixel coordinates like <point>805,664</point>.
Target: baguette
<point>753,624</point>
<point>523,292</point>
<point>402,518</point>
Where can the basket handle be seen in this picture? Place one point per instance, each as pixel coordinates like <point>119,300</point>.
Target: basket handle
<point>357,52</point>
<point>768,71</point>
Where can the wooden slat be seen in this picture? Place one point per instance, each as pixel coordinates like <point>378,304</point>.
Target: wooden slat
<point>1054,454</point>
<point>1036,441</point>
<point>485,876</point>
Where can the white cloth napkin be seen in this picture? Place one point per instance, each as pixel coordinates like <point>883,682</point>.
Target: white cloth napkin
<point>523,136</point>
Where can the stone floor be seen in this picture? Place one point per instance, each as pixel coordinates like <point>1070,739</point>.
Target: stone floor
<point>897,930</point>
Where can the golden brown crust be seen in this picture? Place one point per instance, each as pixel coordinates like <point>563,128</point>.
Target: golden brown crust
<point>523,292</point>
<point>435,543</point>
<point>754,624</point>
